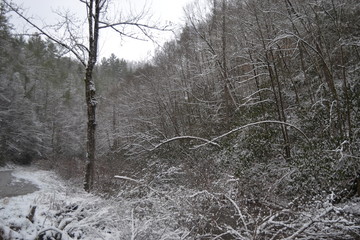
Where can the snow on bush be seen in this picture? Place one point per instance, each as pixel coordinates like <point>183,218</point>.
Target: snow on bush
<point>65,212</point>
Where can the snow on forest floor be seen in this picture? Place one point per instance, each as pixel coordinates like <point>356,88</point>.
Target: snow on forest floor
<point>59,208</point>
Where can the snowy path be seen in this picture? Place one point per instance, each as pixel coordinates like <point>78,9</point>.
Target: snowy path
<point>15,207</point>
<point>59,209</point>
<point>66,212</point>
<point>11,186</point>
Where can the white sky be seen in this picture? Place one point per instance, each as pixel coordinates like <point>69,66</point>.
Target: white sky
<point>164,11</point>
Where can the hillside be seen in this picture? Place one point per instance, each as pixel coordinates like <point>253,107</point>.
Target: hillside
<point>245,126</point>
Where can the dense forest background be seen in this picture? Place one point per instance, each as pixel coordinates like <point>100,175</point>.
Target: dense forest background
<point>255,104</point>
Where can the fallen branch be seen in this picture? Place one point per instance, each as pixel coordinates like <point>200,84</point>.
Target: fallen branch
<point>308,224</point>
<point>239,212</point>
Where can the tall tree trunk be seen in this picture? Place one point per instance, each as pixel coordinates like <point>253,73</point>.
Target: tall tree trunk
<point>91,127</point>
<point>275,83</point>
<point>257,81</point>
<point>93,21</point>
<point>281,108</point>
<point>230,102</point>
<point>343,71</point>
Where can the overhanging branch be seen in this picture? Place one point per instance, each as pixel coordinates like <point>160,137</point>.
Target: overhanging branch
<point>141,25</point>
<point>17,11</point>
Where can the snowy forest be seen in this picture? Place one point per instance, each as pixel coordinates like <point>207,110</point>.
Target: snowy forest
<point>246,126</point>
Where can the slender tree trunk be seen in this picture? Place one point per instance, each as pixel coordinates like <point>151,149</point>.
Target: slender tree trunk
<point>275,84</point>
<point>257,81</point>
<point>281,107</point>
<point>287,74</point>
<point>291,12</point>
<point>91,127</point>
<point>93,21</point>
<point>306,77</point>
<point>343,71</point>
<point>230,101</point>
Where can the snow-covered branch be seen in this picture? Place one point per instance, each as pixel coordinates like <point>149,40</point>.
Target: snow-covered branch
<point>250,125</point>
<point>309,223</point>
<point>128,178</point>
<point>183,138</point>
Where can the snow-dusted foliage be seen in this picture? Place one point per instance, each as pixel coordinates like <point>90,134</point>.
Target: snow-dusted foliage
<point>64,212</point>
<point>39,94</point>
<point>67,212</point>
<point>244,127</point>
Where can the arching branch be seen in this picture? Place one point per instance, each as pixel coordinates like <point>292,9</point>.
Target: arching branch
<point>185,137</point>
<point>213,141</point>
<point>254,124</point>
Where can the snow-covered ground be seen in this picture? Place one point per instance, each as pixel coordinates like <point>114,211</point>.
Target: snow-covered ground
<point>62,209</point>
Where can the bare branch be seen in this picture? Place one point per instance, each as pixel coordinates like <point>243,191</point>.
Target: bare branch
<point>308,224</point>
<point>185,137</point>
<point>239,211</point>
<point>17,11</point>
<point>128,178</point>
<point>142,27</point>
<point>128,23</point>
<point>125,34</point>
<point>250,125</point>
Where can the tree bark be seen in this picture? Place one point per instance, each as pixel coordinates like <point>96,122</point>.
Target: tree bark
<point>91,127</point>
<point>94,7</point>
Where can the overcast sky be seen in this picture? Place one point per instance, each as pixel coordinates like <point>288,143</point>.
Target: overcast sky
<point>44,12</point>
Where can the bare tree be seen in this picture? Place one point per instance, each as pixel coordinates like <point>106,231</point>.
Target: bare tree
<point>87,54</point>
